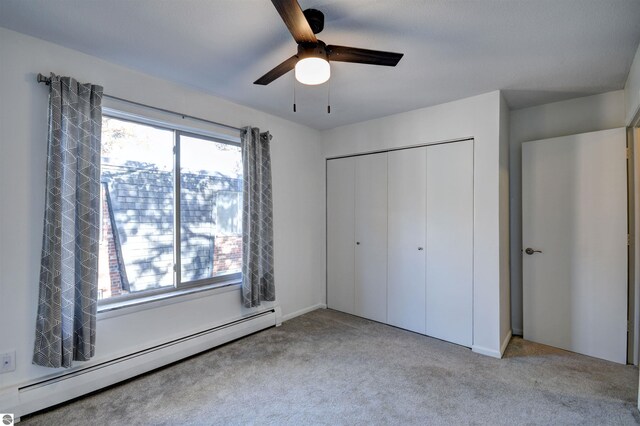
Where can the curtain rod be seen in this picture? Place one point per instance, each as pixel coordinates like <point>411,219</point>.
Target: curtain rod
<point>47,80</point>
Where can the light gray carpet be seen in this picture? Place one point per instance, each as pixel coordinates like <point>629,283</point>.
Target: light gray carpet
<point>326,367</point>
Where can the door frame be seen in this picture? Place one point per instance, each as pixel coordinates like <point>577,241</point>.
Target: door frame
<point>633,142</point>
<point>633,175</point>
<point>632,284</point>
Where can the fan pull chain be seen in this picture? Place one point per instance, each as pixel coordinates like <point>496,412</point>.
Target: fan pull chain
<point>329,97</point>
<point>294,94</point>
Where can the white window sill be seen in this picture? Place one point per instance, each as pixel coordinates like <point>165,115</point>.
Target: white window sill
<point>109,310</point>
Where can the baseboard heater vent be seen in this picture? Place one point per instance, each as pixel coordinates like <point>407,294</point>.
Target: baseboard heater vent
<point>36,396</point>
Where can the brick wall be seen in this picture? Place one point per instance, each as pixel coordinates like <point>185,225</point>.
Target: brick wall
<point>110,282</point>
<point>227,254</point>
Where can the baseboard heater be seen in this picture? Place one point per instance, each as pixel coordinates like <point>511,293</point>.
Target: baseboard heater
<point>46,393</point>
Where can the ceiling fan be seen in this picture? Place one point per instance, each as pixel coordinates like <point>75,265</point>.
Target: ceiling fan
<point>311,63</point>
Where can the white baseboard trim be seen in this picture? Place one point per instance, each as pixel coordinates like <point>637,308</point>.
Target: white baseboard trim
<point>492,352</point>
<point>304,311</point>
<point>278,312</point>
<point>32,397</point>
<point>517,332</point>
<point>505,343</point>
<point>486,351</point>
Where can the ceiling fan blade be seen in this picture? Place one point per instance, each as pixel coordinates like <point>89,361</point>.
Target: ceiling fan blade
<point>278,71</point>
<point>291,13</point>
<point>363,56</point>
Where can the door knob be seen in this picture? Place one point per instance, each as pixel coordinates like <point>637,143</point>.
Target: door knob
<point>358,243</point>
<point>420,248</point>
<point>530,251</point>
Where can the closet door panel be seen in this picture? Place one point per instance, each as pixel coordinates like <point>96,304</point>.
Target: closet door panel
<point>450,242</point>
<point>407,198</point>
<point>340,234</point>
<point>371,236</point>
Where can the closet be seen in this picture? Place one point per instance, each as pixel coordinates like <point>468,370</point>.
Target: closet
<point>400,238</point>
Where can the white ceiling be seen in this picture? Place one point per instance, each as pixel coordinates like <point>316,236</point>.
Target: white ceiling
<point>538,51</point>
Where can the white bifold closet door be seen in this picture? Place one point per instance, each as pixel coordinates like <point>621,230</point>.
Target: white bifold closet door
<point>341,234</point>
<point>400,238</point>
<point>449,242</point>
<point>371,236</point>
<point>407,194</point>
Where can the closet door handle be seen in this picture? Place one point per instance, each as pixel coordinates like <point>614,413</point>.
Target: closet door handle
<point>357,243</point>
<point>420,248</point>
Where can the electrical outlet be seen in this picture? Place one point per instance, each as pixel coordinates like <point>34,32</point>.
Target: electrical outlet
<point>8,362</point>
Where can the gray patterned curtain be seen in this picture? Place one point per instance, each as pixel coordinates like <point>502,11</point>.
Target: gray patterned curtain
<point>257,219</point>
<point>66,321</point>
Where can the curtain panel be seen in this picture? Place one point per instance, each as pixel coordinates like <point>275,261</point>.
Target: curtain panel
<point>257,219</point>
<point>66,319</point>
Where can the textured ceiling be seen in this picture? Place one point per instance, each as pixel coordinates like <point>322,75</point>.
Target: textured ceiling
<point>536,50</point>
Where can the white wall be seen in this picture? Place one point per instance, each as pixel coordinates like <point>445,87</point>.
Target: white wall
<point>477,117</point>
<point>298,192</point>
<point>586,114</point>
<point>632,90</point>
<point>505,299</point>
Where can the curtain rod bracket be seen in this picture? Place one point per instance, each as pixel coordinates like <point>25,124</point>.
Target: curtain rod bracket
<point>42,79</point>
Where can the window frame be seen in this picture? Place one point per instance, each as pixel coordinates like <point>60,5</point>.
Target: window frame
<point>178,288</point>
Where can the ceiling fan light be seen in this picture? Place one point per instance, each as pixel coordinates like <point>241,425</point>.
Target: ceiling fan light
<point>312,70</point>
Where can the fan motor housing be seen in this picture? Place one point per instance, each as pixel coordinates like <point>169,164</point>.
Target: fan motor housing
<point>315,50</point>
<point>315,18</point>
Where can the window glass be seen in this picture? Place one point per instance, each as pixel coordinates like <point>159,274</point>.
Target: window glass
<point>138,250</point>
<point>210,208</point>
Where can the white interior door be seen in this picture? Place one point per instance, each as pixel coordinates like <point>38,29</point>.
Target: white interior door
<point>371,236</point>
<point>450,242</point>
<point>574,204</point>
<point>407,195</point>
<point>341,234</point>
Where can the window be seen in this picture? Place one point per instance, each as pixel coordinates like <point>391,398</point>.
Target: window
<point>171,209</point>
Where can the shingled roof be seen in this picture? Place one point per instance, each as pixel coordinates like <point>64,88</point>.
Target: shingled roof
<point>141,203</point>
